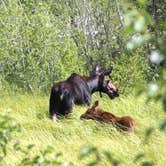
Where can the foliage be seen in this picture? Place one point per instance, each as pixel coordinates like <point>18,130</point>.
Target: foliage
<point>136,22</point>
<point>129,71</point>
<point>87,150</point>
<point>44,158</point>
<point>34,52</point>
<point>7,130</point>
<point>45,41</point>
<point>98,31</point>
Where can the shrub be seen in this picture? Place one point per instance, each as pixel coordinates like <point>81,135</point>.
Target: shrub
<point>129,71</point>
<point>34,53</point>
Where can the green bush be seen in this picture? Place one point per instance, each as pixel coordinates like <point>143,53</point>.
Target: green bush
<point>129,71</point>
<point>7,130</point>
<point>34,53</point>
<point>38,45</point>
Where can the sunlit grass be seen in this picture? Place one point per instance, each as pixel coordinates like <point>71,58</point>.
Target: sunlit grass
<point>70,134</point>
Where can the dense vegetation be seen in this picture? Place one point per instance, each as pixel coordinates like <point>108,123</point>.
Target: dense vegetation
<point>45,41</point>
<point>42,42</point>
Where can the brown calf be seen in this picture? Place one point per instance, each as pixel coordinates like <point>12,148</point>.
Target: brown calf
<point>125,123</point>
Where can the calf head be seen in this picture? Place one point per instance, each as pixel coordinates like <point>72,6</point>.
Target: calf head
<point>90,113</point>
<point>105,84</point>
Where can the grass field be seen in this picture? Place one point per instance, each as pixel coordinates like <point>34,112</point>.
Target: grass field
<point>70,134</point>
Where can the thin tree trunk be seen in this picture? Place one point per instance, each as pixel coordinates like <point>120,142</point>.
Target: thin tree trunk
<point>118,12</point>
<point>155,10</point>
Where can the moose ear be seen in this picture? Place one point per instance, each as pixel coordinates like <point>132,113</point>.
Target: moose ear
<point>96,70</point>
<point>108,71</point>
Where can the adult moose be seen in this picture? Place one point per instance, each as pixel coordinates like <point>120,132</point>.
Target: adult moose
<point>78,90</point>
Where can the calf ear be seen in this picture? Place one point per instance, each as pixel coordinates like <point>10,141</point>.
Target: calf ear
<point>108,71</point>
<point>96,103</point>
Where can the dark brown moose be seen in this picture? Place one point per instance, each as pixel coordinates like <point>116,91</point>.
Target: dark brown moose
<point>78,90</point>
<point>125,123</point>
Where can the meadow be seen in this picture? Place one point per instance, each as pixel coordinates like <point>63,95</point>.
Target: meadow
<point>71,135</point>
<point>42,42</point>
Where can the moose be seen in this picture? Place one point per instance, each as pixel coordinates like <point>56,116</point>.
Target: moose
<point>125,123</point>
<point>78,90</point>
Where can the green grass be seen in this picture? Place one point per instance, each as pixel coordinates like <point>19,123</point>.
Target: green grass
<point>70,134</point>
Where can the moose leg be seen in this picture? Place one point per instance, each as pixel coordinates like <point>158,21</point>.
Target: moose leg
<point>68,105</point>
<point>87,98</point>
<point>54,117</point>
<point>52,106</point>
<point>53,113</point>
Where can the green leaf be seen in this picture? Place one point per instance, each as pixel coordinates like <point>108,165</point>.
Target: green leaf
<point>49,149</point>
<point>29,147</point>
<point>139,156</point>
<point>142,2</point>
<point>16,146</point>
<point>147,163</point>
<point>148,134</point>
<point>163,125</point>
<point>86,150</point>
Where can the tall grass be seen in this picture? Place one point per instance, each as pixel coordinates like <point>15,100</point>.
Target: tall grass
<point>70,134</point>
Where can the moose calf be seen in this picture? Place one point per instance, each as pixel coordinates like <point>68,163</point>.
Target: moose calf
<point>125,123</point>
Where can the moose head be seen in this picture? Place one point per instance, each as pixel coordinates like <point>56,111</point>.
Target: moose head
<point>105,85</point>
